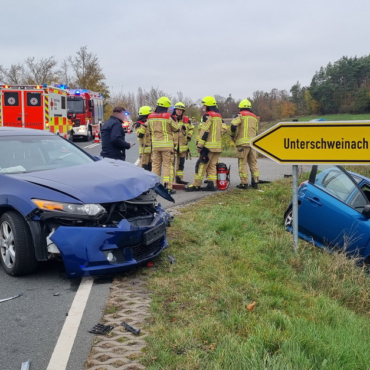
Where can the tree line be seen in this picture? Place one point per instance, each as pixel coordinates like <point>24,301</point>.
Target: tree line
<point>340,87</point>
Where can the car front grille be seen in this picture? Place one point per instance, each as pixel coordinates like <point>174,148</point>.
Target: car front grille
<point>141,252</point>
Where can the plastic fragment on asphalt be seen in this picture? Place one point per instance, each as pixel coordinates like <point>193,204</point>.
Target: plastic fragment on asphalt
<point>26,365</point>
<point>130,328</point>
<point>101,329</point>
<point>8,299</point>
<point>55,294</point>
<point>171,258</point>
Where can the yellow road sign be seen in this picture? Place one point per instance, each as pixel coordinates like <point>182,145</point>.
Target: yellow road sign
<point>340,142</point>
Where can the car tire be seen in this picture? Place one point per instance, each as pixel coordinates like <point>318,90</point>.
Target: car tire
<point>288,217</point>
<point>17,253</point>
<point>88,137</point>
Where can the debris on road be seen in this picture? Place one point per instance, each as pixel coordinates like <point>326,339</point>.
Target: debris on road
<point>285,176</point>
<point>172,259</point>
<point>26,365</point>
<point>101,329</point>
<point>130,328</point>
<point>56,294</point>
<point>8,299</point>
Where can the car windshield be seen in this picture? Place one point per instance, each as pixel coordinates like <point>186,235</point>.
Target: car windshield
<point>75,105</point>
<point>20,154</point>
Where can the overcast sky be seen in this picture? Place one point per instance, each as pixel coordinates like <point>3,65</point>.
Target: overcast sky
<point>198,47</point>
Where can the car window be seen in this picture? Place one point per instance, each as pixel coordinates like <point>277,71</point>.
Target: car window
<point>337,183</point>
<point>19,154</point>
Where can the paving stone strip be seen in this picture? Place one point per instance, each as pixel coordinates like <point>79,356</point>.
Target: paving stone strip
<point>120,349</point>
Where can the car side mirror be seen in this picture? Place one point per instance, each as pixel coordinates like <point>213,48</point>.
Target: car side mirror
<point>366,211</point>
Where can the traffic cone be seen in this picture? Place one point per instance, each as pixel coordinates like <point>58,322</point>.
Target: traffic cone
<point>96,140</point>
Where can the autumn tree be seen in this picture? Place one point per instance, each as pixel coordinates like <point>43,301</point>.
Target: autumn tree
<point>87,72</point>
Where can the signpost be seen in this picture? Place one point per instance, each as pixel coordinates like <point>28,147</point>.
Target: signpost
<point>328,142</point>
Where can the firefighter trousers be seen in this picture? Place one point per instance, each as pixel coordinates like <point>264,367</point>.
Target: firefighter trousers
<point>180,164</point>
<point>247,155</point>
<point>163,157</point>
<point>210,168</point>
<point>145,161</point>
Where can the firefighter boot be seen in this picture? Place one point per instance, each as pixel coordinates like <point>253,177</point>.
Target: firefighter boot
<point>146,167</point>
<point>254,184</point>
<point>242,186</point>
<point>192,188</point>
<point>210,186</point>
<point>170,191</point>
<point>179,181</point>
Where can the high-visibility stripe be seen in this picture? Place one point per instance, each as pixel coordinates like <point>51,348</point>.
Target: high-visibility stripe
<point>47,123</point>
<point>0,111</point>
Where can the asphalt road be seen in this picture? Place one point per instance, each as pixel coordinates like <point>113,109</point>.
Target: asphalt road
<point>31,324</point>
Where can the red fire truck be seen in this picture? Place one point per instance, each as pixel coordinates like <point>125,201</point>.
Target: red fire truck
<point>39,107</point>
<point>85,110</point>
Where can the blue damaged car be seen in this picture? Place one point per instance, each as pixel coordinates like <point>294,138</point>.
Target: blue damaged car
<point>334,211</point>
<point>99,215</point>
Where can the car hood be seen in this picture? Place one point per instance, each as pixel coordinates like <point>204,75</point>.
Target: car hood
<point>104,181</point>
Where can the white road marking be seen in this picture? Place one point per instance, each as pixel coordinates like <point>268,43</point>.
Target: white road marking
<point>137,162</point>
<point>91,145</point>
<point>63,348</point>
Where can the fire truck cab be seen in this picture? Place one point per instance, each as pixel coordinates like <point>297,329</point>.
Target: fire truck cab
<point>39,107</point>
<point>85,110</point>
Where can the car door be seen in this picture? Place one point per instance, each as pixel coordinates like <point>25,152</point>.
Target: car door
<point>330,211</point>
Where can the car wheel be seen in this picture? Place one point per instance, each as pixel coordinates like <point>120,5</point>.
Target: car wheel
<point>88,135</point>
<point>288,218</point>
<point>17,252</point>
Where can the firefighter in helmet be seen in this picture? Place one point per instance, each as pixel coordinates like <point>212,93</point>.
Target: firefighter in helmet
<point>244,127</point>
<point>181,139</point>
<point>209,146</point>
<point>161,126</point>
<point>144,139</point>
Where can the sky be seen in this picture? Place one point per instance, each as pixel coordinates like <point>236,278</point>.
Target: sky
<point>198,47</point>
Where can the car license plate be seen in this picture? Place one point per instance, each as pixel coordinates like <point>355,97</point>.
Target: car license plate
<point>154,234</point>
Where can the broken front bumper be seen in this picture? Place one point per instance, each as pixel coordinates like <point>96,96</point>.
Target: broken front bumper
<point>109,249</point>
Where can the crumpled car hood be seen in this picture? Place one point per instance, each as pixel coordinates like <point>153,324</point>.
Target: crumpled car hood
<point>104,181</point>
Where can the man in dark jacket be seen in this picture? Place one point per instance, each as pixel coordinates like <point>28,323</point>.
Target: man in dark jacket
<point>113,136</point>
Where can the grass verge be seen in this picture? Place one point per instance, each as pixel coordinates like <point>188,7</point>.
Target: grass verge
<point>239,298</point>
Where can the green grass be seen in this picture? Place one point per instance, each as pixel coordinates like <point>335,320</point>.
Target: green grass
<point>311,310</point>
<point>337,117</point>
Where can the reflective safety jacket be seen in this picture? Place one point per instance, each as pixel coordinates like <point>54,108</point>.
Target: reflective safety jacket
<point>162,127</point>
<point>182,137</point>
<point>244,128</point>
<point>144,139</point>
<point>211,132</point>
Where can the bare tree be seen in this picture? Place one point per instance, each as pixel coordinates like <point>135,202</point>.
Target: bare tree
<point>14,75</point>
<point>64,75</point>
<point>42,71</point>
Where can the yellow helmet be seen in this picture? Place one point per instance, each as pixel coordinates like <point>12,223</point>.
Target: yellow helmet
<point>245,103</point>
<point>145,110</point>
<point>209,101</point>
<point>180,105</point>
<point>164,102</point>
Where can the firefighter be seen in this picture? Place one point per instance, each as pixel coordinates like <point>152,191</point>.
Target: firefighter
<point>209,146</point>
<point>162,125</point>
<point>243,128</point>
<point>144,139</point>
<point>181,139</point>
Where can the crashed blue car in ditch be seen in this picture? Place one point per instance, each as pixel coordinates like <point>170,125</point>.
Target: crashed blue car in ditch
<point>99,215</point>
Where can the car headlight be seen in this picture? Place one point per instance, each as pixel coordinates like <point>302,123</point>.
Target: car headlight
<point>71,208</point>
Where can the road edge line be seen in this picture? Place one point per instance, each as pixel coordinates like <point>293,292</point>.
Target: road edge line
<point>62,351</point>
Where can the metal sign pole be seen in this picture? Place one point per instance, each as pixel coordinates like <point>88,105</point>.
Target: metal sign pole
<point>295,208</point>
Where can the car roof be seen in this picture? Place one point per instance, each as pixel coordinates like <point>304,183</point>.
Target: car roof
<point>19,131</point>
